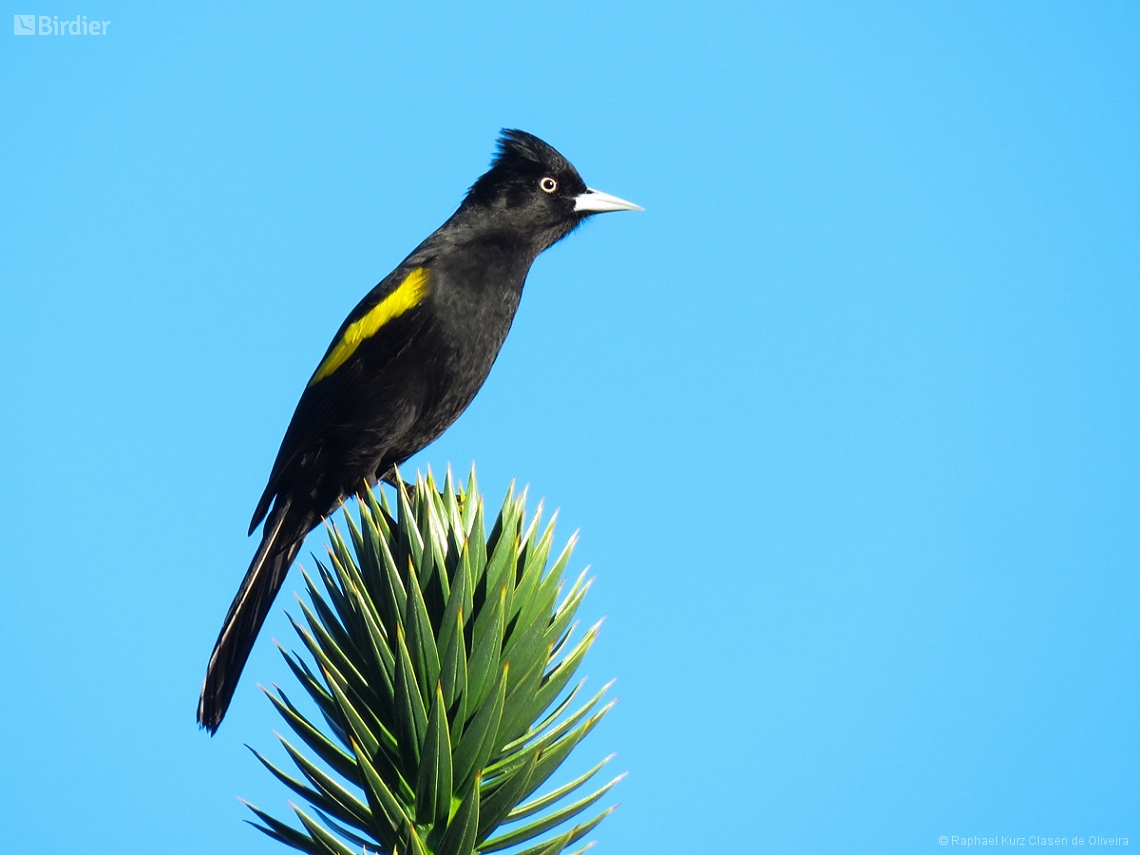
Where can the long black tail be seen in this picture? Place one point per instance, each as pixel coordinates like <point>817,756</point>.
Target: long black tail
<point>281,539</point>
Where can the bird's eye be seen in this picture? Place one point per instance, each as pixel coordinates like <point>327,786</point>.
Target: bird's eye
<point>548,185</point>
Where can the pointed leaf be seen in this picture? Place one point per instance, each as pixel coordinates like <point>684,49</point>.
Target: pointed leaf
<point>505,797</point>
<point>487,643</point>
<point>532,807</point>
<point>453,679</point>
<point>478,740</point>
<point>476,532</point>
<point>345,832</point>
<point>549,732</point>
<point>388,814</point>
<point>415,846</point>
<point>458,600</point>
<point>533,564</point>
<point>505,550</point>
<point>321,836</point>
<point>313,796</point>
<point>573,835</point>
<point>348,807</point>
<point>410,540</point>
<point>553,755</point>
<point>527,832</point>
<point>411,717</point>
<point>433,788</point>
<point>549,847</point>
<point>557,679</point>
<point>460,836</point>
<point>549,720</point>
<point>420,639</point>
<point>326,749</point>
<point>280,831</point>
<point>332,653</point>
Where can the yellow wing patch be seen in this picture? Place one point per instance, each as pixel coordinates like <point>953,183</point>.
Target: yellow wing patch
<point>408,294</point>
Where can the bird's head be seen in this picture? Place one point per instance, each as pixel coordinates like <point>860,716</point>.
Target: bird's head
<point>533,189</point>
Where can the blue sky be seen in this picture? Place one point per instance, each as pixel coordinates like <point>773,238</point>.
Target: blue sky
<point>849,417</point>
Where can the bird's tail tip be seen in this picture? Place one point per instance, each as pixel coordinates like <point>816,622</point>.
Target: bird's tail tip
<point>279,546</point>
<point>208,717</point>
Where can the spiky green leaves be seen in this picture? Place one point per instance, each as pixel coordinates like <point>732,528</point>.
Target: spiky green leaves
<point>438,648</point>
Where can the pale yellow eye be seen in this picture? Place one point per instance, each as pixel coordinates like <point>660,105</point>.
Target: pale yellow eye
<point>548,185</point>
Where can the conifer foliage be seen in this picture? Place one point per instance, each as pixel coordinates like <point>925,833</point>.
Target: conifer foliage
<point>442,660</point>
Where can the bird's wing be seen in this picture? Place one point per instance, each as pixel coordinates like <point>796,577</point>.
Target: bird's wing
<point>382,325</point>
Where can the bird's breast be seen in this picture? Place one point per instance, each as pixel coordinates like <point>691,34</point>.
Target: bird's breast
<point>471,313</point>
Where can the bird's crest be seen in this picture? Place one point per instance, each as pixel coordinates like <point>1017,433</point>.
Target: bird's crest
<point>519,156</point>
<point>516,148</point>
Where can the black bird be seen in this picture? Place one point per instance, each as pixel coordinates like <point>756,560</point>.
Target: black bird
<point>402,367</point>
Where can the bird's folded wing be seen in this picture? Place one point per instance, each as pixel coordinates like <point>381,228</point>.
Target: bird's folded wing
<point>337,381</point>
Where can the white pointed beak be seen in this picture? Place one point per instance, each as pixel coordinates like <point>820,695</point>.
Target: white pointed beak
<point>595,202</point>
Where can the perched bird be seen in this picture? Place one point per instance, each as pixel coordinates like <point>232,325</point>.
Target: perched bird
<point>402,367</point>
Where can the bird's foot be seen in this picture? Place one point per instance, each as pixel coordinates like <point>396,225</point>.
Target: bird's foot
<point>390,478</point>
